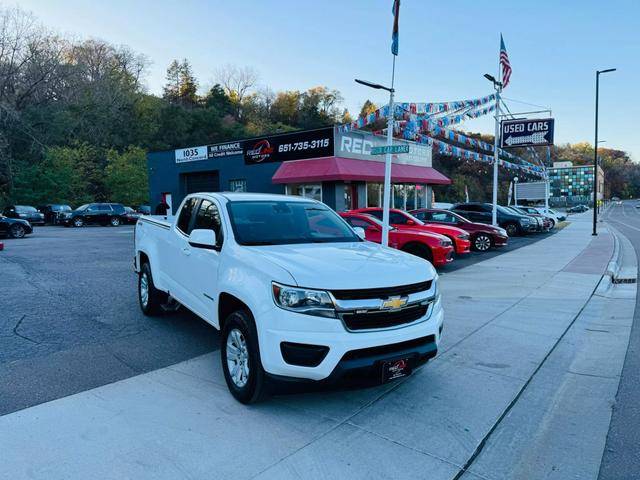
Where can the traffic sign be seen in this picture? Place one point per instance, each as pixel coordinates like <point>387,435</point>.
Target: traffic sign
<point>526,132</point>
<point>390,149</point>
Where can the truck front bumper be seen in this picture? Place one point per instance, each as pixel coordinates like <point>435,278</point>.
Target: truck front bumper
<point>341,352</point>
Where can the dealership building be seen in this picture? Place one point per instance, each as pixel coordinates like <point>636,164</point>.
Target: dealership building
<point>325,164</point>
<point>573,185</point>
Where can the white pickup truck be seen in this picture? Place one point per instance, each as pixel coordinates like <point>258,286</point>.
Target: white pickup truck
<point>296,292</point>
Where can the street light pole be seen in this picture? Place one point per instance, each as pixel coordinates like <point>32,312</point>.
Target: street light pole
<point>386,200</point>
<point>595,155</point>
<point>494,210</point>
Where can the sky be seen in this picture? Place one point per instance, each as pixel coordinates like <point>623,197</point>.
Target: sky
<point>554,47</point>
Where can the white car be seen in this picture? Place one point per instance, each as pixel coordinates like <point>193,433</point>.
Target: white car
<point>296,292</point>
<point>556,216</point>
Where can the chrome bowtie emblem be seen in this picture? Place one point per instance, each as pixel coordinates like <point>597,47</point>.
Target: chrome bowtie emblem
<point>394,302</point>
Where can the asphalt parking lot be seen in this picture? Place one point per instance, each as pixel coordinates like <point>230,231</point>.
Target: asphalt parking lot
<point>70,319</point>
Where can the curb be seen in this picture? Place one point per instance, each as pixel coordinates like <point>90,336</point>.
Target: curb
<point>613,268</point>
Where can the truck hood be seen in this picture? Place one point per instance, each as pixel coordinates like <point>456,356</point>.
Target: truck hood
<point>347,265</point>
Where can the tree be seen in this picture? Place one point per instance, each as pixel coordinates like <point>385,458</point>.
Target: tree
<point>181,86</point>
<point>126,176</point>
<point>286,106</point>
<point>218,99</point>
<point>237,82</point>
<point>346,117</point>
<point>367,107</point>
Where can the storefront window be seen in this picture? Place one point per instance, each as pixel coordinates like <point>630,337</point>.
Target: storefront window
<point>410,192</point>
<point>238,185</point>
<point>307,190</point>
<point>374,195</point>
<point>348,198</point>
<point>398,196</point>
<point>421,196</point>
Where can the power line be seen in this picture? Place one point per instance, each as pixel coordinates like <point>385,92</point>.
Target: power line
<point>525,103</point>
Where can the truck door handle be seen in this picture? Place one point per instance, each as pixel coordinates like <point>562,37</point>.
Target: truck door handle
<point>186,251</point>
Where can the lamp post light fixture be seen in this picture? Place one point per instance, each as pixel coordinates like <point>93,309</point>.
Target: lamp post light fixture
<point>595,154</point>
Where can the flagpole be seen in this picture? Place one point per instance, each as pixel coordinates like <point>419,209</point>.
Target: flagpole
<point>494,210</point>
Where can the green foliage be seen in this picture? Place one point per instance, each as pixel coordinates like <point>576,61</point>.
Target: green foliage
<point>64,176</point>
<point>126,176</point>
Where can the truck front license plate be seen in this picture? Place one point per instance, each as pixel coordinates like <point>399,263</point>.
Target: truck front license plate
<point>395,369</point>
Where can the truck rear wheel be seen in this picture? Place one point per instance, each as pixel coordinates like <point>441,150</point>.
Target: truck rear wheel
<point>150,298</point>
<point>240,355</point>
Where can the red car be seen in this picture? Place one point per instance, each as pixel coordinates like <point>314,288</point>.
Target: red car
<point>483,236</point>
<point>435,248</point>
<point>401,219</point>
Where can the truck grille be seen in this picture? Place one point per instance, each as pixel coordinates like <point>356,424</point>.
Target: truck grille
<point>383,318</point>
<point>384,292</point>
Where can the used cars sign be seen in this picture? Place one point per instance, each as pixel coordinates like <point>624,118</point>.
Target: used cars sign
<point>526,133</point>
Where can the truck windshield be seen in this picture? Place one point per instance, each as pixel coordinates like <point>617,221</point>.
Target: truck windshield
<point>285,222</point>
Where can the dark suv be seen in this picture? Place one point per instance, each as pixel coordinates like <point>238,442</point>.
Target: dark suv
<point>513,223</point>
<point>53,212</point>
<point>95,214</point>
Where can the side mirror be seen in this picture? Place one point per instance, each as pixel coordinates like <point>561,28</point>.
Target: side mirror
<point>360,232</point>
<point>410,222</point>
<point>202,238</point>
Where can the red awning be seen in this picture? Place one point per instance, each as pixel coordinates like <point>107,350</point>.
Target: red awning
<point>340,168</point>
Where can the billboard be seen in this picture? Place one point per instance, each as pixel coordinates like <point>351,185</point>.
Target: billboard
<point>290,146</point>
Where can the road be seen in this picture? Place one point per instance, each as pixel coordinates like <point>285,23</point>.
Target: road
<point>71,319</point>
<point>621,458</point>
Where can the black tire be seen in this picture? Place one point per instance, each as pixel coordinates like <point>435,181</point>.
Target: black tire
<point>155,298</point>
<point>17,231</point>
<point>553,223</point>
<point>114,222</point>
<point>254,388</point>
<point>419,250</point>
<point>513,229</point>
<point>78,222</point>
<point>482,242</point>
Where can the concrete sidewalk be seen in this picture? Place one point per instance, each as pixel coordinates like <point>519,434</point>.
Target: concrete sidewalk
<point>522,388</point>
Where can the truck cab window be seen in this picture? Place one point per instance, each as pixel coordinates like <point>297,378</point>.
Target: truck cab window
<point>184,220</point>
<point>208,218</point>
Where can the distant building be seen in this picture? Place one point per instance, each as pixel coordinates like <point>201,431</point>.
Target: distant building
<point>562,164</point>
<point>573,185</point>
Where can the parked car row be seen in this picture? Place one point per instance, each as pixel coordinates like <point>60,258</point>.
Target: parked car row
<point>16,221</point>
<point>439,234</point>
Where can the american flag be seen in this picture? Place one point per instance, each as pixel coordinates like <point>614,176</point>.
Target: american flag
<point>504,63</point>
<point>394,35</point>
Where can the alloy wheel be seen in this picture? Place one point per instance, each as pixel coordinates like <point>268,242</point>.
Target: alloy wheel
<point>144,289</point>
<point>18,231</point>
<point>482,243</point>
<point>237,358</point>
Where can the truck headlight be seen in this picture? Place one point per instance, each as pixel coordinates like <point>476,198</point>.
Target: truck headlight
<point>303,300</point>
<point>445,242</point>
<point>464,236</point>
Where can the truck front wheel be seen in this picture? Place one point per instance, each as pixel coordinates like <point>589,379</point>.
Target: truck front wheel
<point>240,355</point>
